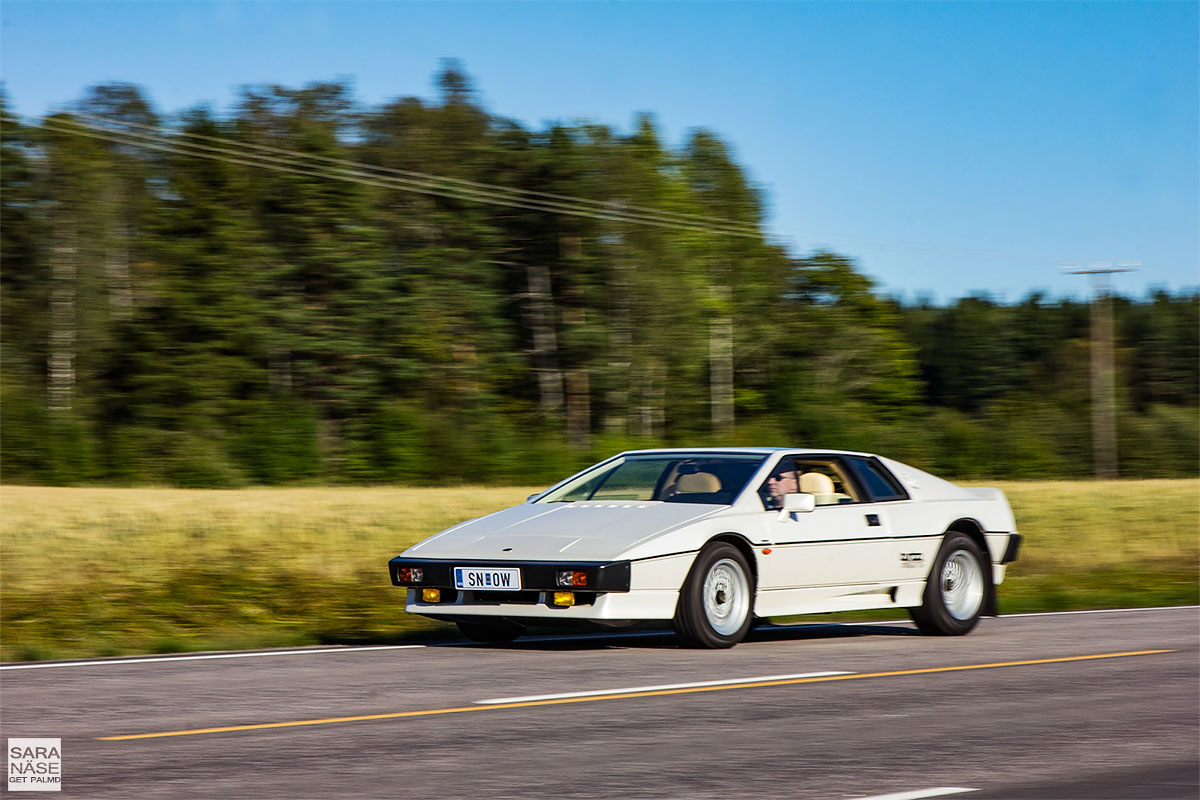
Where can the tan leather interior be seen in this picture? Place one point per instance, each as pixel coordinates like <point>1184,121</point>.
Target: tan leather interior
<point>700,483</point>
<point>816,483</point>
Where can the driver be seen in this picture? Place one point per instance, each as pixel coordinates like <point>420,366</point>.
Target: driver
<point>782,480</point>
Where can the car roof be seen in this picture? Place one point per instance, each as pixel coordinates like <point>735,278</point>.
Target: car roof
<point>748,450</point>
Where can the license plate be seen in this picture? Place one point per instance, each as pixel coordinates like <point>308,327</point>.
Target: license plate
<point>496,579</point>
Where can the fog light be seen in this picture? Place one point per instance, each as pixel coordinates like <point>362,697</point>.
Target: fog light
<point>431,595</point>
<point>410,574</point>
<point>564,598</point>
<point>572,577</point>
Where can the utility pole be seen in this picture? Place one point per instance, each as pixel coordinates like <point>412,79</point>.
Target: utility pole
<point>1104,397</point>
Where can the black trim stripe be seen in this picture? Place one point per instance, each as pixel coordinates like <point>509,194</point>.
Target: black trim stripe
<point>882,538</point>
<point>913,581</point>
<point>861,539</point>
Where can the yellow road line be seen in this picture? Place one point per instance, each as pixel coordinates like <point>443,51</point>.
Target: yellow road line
<point>629,695</point>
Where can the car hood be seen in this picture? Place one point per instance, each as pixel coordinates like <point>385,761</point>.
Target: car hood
<point>583,531</point>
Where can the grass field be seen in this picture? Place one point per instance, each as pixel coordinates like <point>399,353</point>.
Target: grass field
<point>87,572</point>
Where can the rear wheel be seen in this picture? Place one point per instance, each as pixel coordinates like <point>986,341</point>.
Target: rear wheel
<point>497,631</point>
<point>716,604</point>
<point>955,590</point>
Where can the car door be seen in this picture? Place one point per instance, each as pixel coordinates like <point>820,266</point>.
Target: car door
<point>845,541</point>
<point>832,546</point>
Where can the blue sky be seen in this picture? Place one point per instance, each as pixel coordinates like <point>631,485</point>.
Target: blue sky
<point>950,148</point>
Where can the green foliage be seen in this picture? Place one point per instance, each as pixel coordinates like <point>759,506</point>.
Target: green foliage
<point>41,446</point>
<point>169,318</point>
<point>1160,442</point>
<point>275,441</point>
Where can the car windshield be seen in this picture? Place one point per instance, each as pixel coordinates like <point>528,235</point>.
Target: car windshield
<point>670,477</point>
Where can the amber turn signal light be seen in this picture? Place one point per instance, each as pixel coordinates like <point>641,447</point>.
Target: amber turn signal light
<point>572,577</point>
<point>410,574</point>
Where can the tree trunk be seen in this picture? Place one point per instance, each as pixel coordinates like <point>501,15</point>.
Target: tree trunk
<point>620,347</point>
<point>577,377</point>
<point>61,361</point>
<point>720,360</point>
<point>656,396</point>
<point>545,340</point>
<point>652,395</point>
<point>579,404</point>
<point>329,438</point>
<point>116,257</point>
<point>579,409</point>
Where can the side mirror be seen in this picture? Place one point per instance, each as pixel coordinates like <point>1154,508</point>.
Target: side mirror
<point>797,502</point>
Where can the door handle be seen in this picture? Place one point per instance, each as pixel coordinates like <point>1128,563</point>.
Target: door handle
<point>873,520</point>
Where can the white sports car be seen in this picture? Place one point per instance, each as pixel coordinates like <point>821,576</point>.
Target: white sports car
<point>715,538</point>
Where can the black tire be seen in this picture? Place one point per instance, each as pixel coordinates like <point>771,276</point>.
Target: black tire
<point>956,590</point>
<point>492,631</point>
<point>726,617</point>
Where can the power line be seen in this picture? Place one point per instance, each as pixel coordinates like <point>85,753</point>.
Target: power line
<point>369,178</point>
<point>363,174</point>
<point>424,176</point>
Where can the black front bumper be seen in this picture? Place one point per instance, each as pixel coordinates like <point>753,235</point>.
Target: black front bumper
<point>536,576</point>
<point>1014,546</point>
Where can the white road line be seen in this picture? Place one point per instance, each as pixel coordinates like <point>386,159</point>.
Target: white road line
<point>169,659</point>
<point>1096,611</point>
<point>632,689</point>
<point>918,794</point>
<point>1002,616</point>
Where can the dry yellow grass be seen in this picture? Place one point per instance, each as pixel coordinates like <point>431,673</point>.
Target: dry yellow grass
<point>1080,524</point>
<point>51,536</point>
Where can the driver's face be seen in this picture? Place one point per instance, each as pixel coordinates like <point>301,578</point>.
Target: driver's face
<point>783,483</point>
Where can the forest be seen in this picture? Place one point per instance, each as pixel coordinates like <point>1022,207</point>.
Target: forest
<point>306,291</point>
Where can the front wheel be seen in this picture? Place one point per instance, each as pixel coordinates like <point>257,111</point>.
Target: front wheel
<point>955,590</point>
<point>497,631</point>
<point>716,604</point>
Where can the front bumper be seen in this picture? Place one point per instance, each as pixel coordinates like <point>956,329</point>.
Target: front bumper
<point>607,596</point>
<point>539,581</point>
<point>536,576</point>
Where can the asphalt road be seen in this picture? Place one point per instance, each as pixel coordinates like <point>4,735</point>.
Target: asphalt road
<point>908,713</point>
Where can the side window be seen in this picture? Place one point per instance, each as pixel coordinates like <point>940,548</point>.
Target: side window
<point>879,483</point>
<point>825,479</point>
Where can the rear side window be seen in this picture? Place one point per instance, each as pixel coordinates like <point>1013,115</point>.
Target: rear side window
<point>878,482</point>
